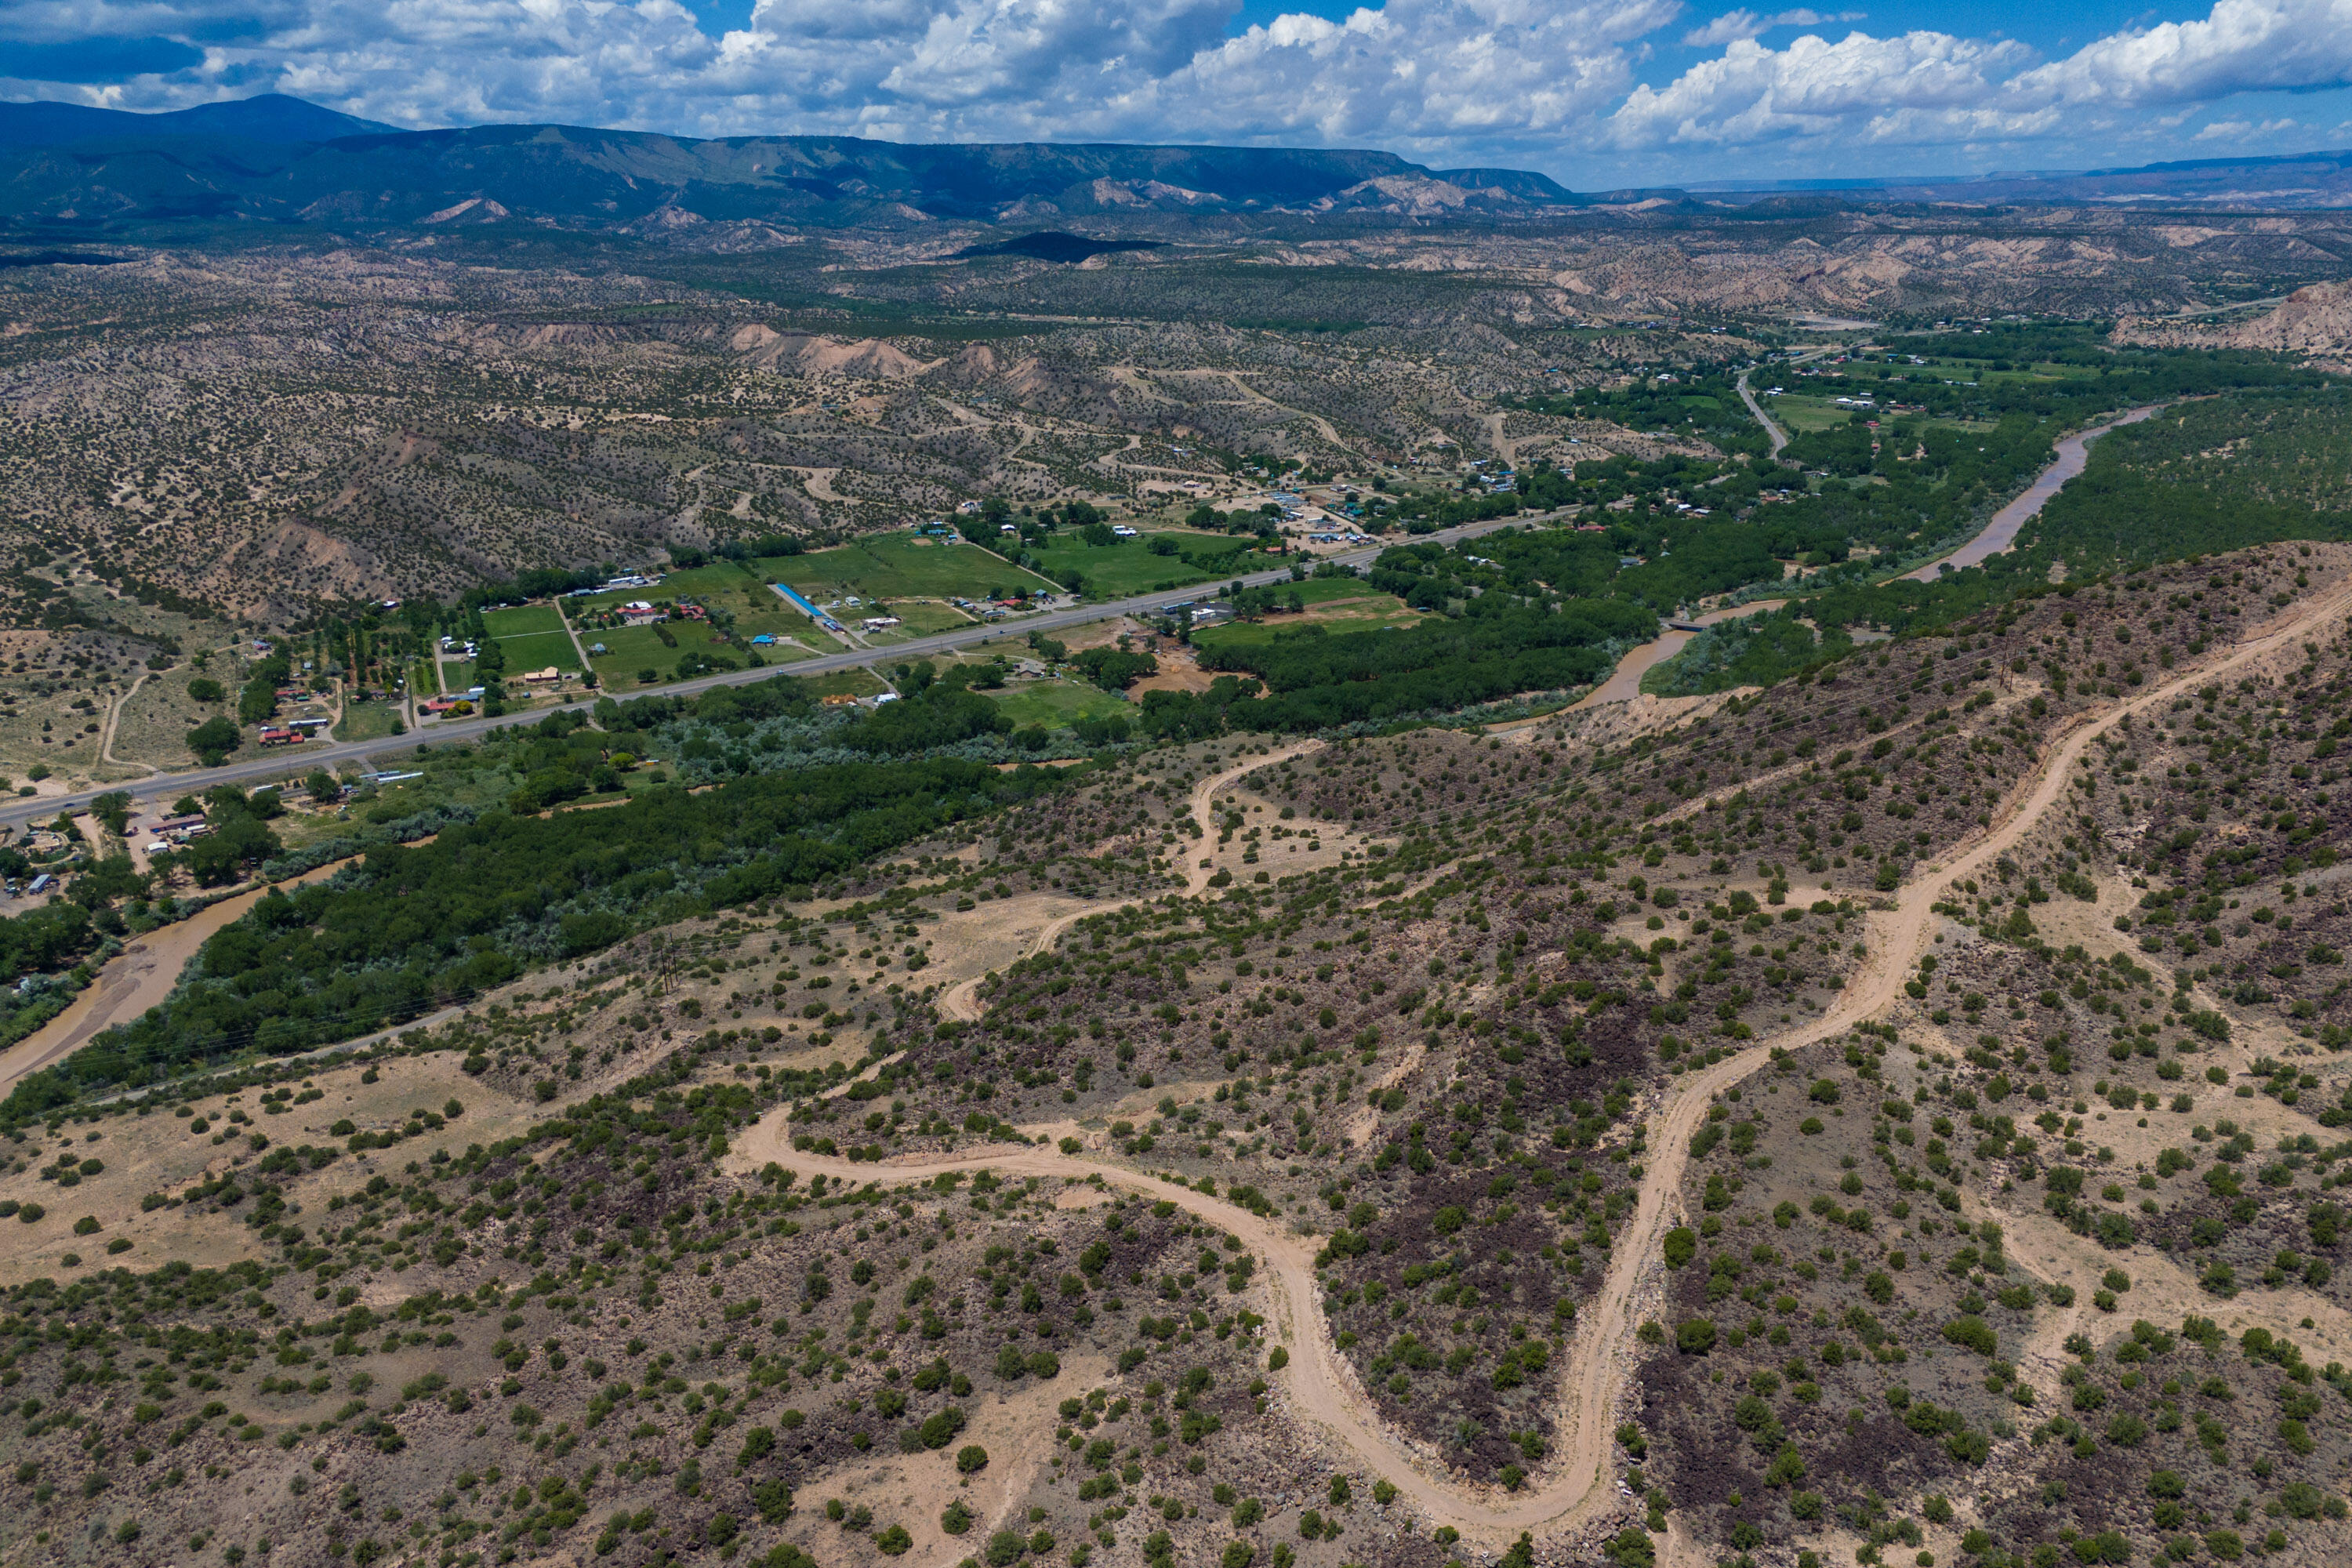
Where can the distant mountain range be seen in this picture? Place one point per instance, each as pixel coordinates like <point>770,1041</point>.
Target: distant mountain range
<point>272,117</point>
<point>278,158</point>
<point>2292,180</point>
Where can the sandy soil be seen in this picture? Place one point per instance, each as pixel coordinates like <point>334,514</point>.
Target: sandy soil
<point>1624,682</point>
<point>160,1154</point>
<point>913,1489</point>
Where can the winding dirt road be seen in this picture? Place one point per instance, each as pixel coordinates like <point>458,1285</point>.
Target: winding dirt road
<point>963,1001</point>
<point>1578,1486</point>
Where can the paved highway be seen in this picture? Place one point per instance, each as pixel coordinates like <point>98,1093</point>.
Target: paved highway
<point>293,763</point>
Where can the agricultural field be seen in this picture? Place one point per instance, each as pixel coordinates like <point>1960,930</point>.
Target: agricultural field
<point>1056,704</point>
<point>901,566</point>
<point>524,620</point>
<point>537,650</point>
<point>1128,566</point>
<point>917,618</point>
<point>630,650</point>
<point>856,681</point>
<point>1333,604</point>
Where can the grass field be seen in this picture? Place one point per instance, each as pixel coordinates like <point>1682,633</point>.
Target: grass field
<point>1056,704</point>
<point>1801,416</point>
<point>1354,609</point>
<point>369,721</point>
<point>845,682</point>
<point>701,582</point>
<point>457,677</point>
<point>1116,571</point>
<point>1334,590</point>
<point>900,566</point>
<point>523,622</point>
<point>919,619</point>
<point>629,649</point>
<point>537,650</point>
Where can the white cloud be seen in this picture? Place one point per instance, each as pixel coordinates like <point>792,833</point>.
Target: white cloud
<point>1927,88</point>
<point>2244,130</point>
<point>1423,77</point>
<point>1743,24</point>
<point>2242,46</point>
<point>1873,86</point>
<point>1444,81</point>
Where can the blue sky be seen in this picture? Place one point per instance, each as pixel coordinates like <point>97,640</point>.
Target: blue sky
<point>1597,93</point>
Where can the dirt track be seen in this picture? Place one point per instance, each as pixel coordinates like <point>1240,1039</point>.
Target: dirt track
<point>1578,1487</point>
<point>963,1000</point>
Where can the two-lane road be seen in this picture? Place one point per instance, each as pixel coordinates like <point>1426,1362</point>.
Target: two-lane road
<point>295,761</point>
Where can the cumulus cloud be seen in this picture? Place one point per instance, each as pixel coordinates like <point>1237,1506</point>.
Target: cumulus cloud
<point>1424,76</point>
<point>1446,81</point>
<point>2242,46</point>
<point>1932,87</point>
<point>2244,130</point>
<point>1879,87</point>
<point>1733,26</point>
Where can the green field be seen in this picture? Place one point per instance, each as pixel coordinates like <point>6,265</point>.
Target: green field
<point>702,583</point>
<point>537,650</point>
<point>459,678</point>
<point>1351,607</point>
<point>900,566</point>
<point>1332,590</point>
<point>917,618</point>
<point>425,676</point>
<point>524,622</point>
<point>1128,567</point>
<point>630,650</point>
<point>1056,704</point>
<point>369,721</point>
<point>856,682</point>
<point>1800,414</point>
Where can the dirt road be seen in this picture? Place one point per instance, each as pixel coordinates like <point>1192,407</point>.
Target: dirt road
<point>963,1001</point>
<point>1578,1486</point>
<point>114,717</point>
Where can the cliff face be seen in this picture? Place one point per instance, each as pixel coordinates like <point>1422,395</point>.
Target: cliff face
<point>2316,319</point>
